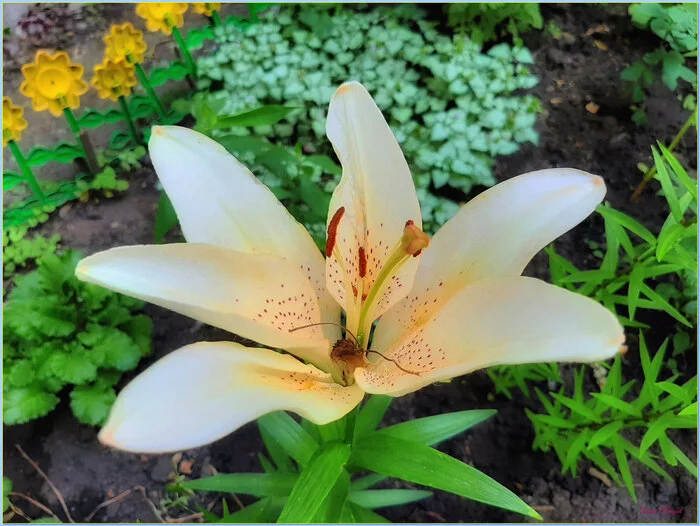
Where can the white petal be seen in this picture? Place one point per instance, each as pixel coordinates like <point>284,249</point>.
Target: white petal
<point>204,391</point>
<point>496,234</point>
<point>256,296</point>
<point>507,321</point>
<point>378,196</point>
<point>220,202</point>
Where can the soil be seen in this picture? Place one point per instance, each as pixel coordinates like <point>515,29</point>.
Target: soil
<point>574,71</point>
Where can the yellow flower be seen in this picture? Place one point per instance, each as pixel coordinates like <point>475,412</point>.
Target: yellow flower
<point>53,82</point>
<point>206,8</point>
<point>446,306</point>
<point>114,78</point>
<point>12,121</point>
<point>125,42</point>
<point>162,16</point>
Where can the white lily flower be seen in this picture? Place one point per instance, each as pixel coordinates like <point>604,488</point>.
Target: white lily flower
<point>448,306</point>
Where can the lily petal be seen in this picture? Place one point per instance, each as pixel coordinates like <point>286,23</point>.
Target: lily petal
<point>256,296</point>
<point>204,391</point>
<point>495,234</point>
<point>378,197</point>
<point>220,202</point>
<point>507,321</point>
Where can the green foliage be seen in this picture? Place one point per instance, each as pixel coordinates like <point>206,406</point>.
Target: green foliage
<point>6,489</point>
<point>638,271</point>
<point>316,471</point>
<point>20,251</point>
<point>634,271</point>
<point>505,378</point>
<point>599,425</point>
<point>60,332</point>
<point>676,25</point>
<point>127,160</point>
<point>483,22</point>
<point>451,107</point>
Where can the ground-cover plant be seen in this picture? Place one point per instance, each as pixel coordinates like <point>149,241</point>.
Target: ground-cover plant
<point>20,251</point>
<point>61,333</point>
<point>260,275</point>
<point>452,107</point>
<point>638,271</point>
<point>677,26</point>
<point>483,22</point>
<point>598,425</point>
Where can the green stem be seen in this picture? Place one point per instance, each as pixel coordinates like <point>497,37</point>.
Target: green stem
<point>129,120</point>
<point>191,65</point>
<point>88,152</point>
<point>216,19</point>
<point>143,79</point>
<point>649,174</point>
<point>26,170</point>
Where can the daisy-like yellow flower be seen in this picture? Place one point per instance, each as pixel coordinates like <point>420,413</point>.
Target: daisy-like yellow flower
<point>125,42</point>
<point>162,16</point>
<point>53,82</point>
<point>12,121</point>
<point>206,8</point>
<point>114,78</point>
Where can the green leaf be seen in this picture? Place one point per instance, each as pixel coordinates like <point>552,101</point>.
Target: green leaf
<point>364,516</point>
<point>577,407</point>
<point>691,410</point>
<point>26,403</point>
<point>626,221</point>
<point>667,186</point>
<point>618,404</point>
<point>166,218</point>
<point>279,457</point>
<point>604,433</point>
<point>367,481</point>
<point>73,365</point>
<point>6,489</point>
<point>684,460</point>
<point>116,350</point>
<point>671,234</point>
<point>255,484</point>
<point>423,465</point>
<point>381,498</point>
<point>664,305</point>
<point>91,403</point>
<point>263,116</point>
<point>688,182</point>
<point>624,467</point>
<point>291,437</point>
<point>11,180</point>
<point>371,414</point>
<point>635,284</point>
<point>264,510</point>
<point>315,483</point>
<point>432,430</point>
<point>332,506</point>
<point>655,430</point>
<point>140,329</point>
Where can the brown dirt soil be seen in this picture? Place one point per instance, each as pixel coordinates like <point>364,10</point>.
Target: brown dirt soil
<point>571,69</point>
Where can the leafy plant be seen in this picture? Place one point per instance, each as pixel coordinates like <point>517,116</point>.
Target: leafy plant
<point>60,332</point>
<point>20,251</point>
<point>483,22</point>
<point>676,25</point>
<point>598,425</point>
<point>452,107</point>
<point>325,473</point>
<point>638,271</point>
<point>126,160</point>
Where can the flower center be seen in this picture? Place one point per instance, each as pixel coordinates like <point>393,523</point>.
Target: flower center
<point>53,83</point>
<point>413,240</point>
